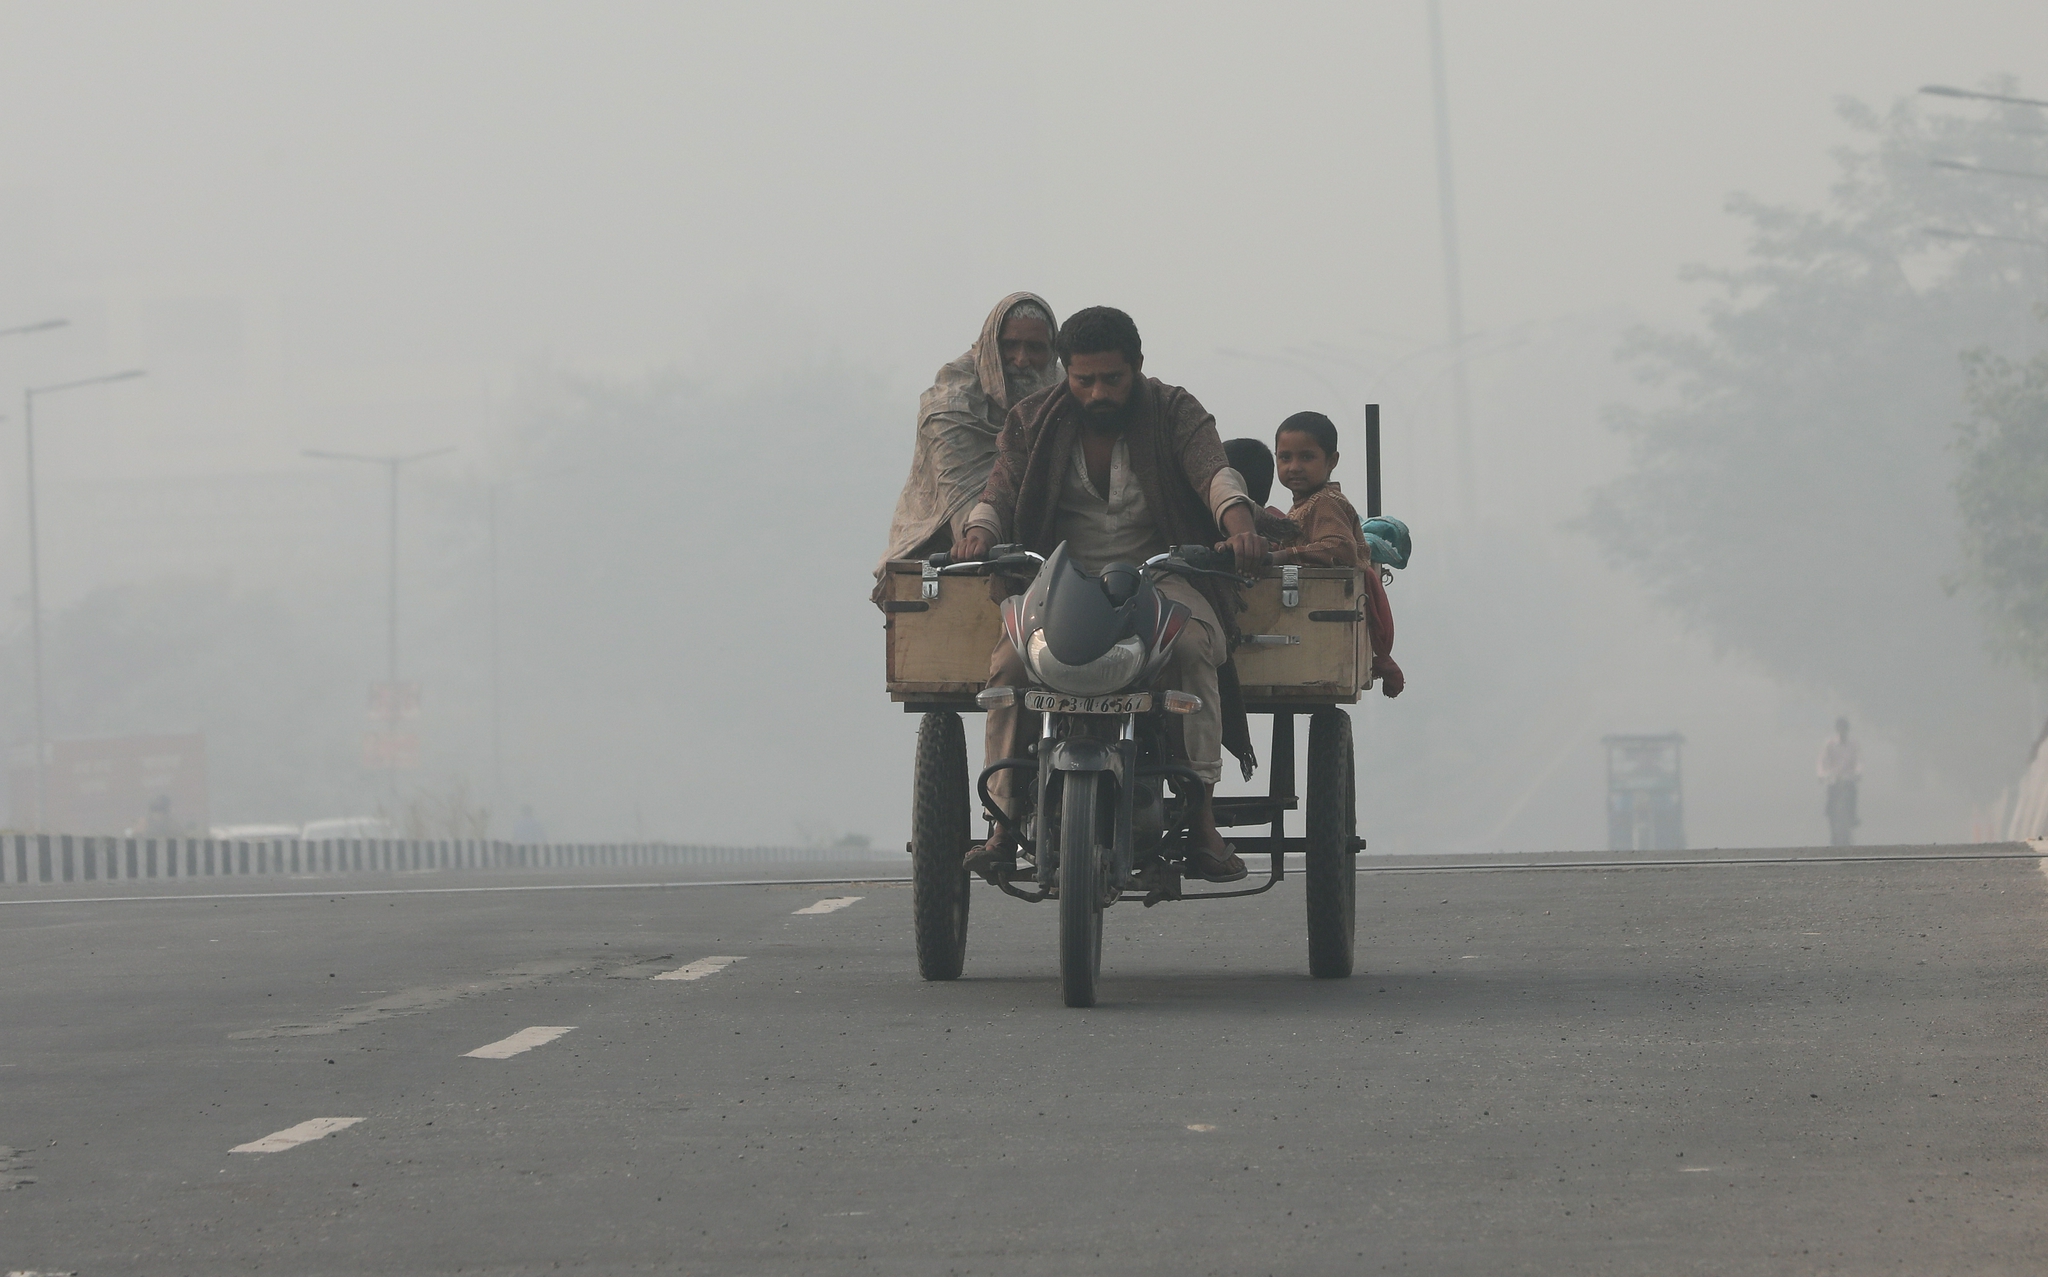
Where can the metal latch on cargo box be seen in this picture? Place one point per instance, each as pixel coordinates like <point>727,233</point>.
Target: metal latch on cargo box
<point>1290,585</point>
<point>930,589</point>
<point>1270,640</point>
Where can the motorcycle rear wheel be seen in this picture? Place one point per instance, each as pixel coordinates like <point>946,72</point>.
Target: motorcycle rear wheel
<point>1080,889</point>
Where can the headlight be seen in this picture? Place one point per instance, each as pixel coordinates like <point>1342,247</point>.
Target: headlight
<point>1107,673</point>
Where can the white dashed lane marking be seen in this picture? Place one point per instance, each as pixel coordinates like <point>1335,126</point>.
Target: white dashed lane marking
<point>699,969</point>
<point>293,1136</point>
<point>524,1040</point>
<point>829,906</point>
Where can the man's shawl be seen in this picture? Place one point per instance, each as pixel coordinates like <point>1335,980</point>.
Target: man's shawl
<point>957,422</point>
<point>1175,455</point>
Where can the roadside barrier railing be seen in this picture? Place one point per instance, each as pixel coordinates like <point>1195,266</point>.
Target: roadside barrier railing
<point>38,858</point>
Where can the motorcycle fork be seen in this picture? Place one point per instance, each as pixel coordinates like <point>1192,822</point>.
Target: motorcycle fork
<point>1123,780</point>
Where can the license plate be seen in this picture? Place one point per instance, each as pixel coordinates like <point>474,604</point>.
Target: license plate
<point>1061,703</point>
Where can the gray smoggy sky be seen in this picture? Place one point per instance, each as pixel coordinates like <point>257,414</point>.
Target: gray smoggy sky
<point>377,213</point>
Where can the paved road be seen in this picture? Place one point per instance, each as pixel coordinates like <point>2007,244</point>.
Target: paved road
<point>1726,1068</point>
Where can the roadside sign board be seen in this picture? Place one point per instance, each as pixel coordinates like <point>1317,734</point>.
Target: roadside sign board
<point>109,786</point>
<point>383,751</point>
<point>394,702</point>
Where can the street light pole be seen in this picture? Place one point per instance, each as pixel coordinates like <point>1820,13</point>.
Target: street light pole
<point>391,587</point>
<point>35,559</point>
<point>1454,287</point>
<point>392,463</point>
<point>497,717</point>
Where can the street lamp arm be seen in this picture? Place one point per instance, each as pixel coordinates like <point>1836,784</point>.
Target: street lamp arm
<point>1945,91</point>
<point>129,375</point>
<point>1964,166</point>
<point>394,459</point>
<point>40,327</point>
<point>1943,232</point>
<point>409,458</point>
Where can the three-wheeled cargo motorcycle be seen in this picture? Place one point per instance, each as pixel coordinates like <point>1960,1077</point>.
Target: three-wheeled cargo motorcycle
<point>1112,805</point>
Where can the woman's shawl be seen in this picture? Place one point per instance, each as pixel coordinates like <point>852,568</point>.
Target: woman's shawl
<point>957,422</point>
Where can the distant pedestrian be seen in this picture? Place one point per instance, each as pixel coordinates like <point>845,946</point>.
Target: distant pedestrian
<point>1839,768</point>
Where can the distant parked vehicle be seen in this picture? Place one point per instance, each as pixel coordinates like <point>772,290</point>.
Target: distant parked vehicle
<point>251,833</point>
<point>347,827</point>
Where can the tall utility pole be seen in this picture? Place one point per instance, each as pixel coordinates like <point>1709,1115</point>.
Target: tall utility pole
<point>1454,288</point>
<point>497,717</point>
<point>393,710</point>
<point>35,562</point>
<point>22,330</point>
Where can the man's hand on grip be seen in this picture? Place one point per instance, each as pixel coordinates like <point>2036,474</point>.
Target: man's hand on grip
<point>1249,547</point>
<point>973,545</point>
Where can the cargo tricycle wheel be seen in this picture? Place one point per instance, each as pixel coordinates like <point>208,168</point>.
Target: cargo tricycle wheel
<point>941,823</point>
<point>1332,822</point>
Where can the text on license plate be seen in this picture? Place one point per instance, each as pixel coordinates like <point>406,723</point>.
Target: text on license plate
<point>1061,703</point>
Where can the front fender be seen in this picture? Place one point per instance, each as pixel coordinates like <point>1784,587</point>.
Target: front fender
<point>1079,754</point>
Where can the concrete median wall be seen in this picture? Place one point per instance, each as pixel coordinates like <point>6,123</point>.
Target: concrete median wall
<point>38,858</point>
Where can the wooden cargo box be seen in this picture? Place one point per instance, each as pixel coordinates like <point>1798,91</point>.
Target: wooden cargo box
<point>1330,659</point>
<point>938,647</point>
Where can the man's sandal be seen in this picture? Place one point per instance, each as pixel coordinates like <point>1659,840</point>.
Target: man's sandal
<point>1210,867</point>
<point>987,859</point>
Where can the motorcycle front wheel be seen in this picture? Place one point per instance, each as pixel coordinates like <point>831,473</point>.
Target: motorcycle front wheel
<point>1080,889</point>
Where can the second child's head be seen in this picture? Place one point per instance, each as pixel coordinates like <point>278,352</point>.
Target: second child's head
<point>1305,452</point>
<point>1253,462</point>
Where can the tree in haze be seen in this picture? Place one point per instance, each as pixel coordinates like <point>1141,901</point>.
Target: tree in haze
<point>1793,498</point>
<point>689,646</point>
<point>197,655</point>
<point>2003,494</point>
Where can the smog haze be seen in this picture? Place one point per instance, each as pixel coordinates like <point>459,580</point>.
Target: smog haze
<point>669,279</point>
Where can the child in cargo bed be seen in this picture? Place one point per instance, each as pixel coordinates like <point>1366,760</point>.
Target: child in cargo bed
<point>1304,454</point>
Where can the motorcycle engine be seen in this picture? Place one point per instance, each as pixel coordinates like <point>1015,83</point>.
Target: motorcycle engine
<point>1148,817</point>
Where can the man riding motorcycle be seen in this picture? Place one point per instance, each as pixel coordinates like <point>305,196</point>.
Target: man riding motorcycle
<point>1119,466</point>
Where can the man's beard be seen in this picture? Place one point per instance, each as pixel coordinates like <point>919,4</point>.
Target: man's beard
<point>1020,383</point>
<point>1107,418</point>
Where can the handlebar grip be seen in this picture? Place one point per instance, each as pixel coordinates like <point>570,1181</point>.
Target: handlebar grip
<point>1205,559</point>
<point>940,560</point>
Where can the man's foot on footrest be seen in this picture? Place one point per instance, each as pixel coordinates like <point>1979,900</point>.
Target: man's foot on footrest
<point>991,858</point>
<point>1210,867</point>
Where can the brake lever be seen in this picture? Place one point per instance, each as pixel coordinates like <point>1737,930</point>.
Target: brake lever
<point>1175,561</point>
<point>1011,564</point>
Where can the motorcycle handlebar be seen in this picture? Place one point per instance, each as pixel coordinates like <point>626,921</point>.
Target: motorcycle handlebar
<point>1015,560</point>
<point>1005,560</point>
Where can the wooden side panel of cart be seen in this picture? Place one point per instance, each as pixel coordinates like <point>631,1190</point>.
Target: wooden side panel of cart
<point>938,648</point>
<point>1331,660</point>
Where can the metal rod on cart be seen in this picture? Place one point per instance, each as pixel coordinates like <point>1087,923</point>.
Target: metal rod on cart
<point>1280,786</point>
<point>1372,461</point>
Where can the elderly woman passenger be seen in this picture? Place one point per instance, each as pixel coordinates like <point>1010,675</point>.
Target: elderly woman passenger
<point>957,422</point>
